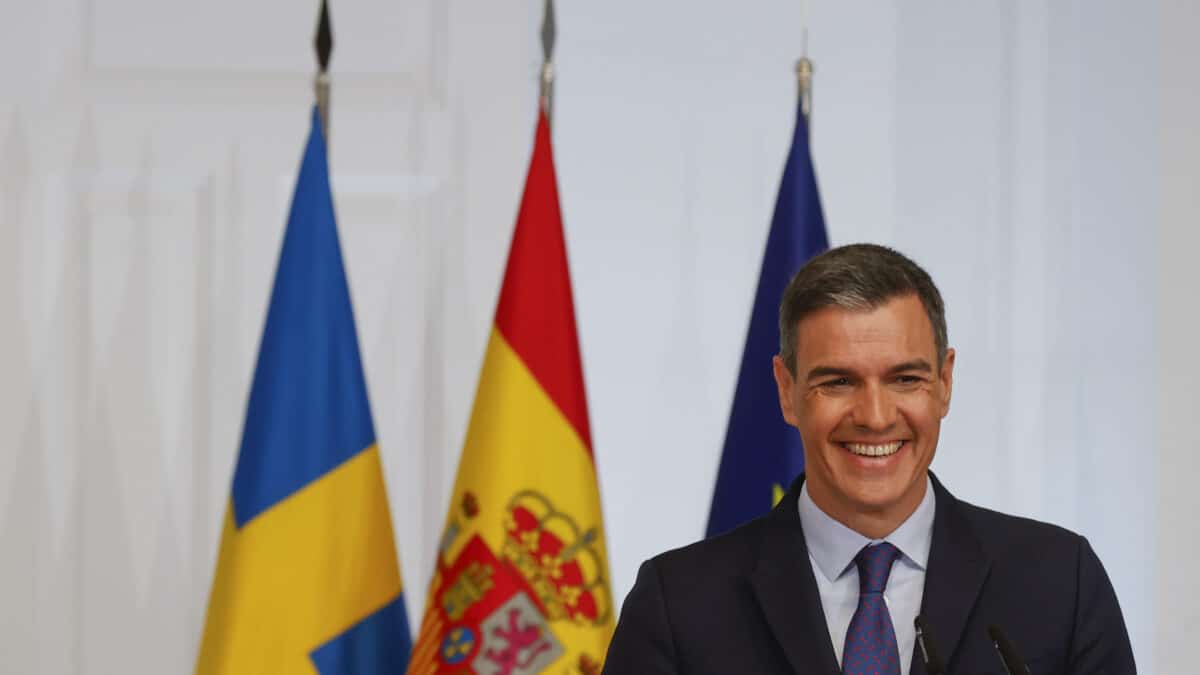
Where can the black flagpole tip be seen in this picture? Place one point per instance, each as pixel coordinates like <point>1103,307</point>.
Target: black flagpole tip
<point>548,31</point>
<point>324,39</point>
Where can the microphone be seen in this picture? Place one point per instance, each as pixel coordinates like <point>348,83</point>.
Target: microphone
<point>1013,665</point>
<point>928,648</point>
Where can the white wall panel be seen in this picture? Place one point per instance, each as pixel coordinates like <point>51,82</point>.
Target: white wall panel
<point>1176,587</point>
<point>224,37</point>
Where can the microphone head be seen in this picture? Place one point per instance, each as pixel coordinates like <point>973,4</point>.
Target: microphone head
<point>1008,651</point>
<point>927,646</point>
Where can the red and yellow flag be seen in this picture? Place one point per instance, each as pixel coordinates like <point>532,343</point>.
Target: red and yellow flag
<point>521,584</point>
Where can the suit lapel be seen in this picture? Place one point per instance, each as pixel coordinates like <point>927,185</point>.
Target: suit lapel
<point>958,567</point>
<point>786,590</point>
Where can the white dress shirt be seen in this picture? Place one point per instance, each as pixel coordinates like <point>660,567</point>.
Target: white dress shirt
<point>831,550</point>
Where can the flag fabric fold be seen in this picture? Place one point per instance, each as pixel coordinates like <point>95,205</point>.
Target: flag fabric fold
<point>762,453</point>
<point>521,582</point>
<point>307,579</point>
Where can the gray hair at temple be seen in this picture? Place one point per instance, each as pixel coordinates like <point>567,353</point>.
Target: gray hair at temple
<point>857,277</point>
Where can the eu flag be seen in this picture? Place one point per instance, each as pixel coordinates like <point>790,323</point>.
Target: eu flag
<point>307,579</point>
<point>762,453</point>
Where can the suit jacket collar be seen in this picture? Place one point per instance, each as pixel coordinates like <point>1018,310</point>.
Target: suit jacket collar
<point>958,567</point>
<point>786,590</point>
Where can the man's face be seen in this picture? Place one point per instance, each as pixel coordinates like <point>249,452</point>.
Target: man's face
<point>868,398</point>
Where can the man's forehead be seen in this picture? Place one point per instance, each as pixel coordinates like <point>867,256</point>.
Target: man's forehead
<point>896,330</point>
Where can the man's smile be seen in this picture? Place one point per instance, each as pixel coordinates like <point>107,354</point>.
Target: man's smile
<point>873,449</point>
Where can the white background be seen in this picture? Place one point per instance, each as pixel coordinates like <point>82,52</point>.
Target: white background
<point>1040,159</point>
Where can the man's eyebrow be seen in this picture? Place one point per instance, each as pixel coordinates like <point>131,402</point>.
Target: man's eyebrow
<point>827,371</point>
<point>916,364</point>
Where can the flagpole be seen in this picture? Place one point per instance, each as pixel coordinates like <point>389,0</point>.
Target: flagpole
<point>546,90</point>
<point>323,44</point>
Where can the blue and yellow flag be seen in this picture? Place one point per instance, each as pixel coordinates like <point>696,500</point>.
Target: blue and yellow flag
<point>307,579</point>
<point>763,453</point>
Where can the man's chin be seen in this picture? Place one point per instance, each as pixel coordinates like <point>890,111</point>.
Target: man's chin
<point>883,497</point>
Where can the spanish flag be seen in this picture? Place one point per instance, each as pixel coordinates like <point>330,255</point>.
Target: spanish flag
<point>521,583</point>
<point>307,579</point>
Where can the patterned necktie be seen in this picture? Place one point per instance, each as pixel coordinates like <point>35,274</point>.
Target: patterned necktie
<point>871,640</point>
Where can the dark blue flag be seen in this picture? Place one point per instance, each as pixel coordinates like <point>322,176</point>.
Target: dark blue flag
<point>763,453</point>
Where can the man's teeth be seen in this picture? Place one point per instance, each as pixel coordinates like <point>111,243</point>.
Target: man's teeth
<point>882,450</point>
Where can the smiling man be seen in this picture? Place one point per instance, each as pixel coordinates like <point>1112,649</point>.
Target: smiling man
<point>832,580</point>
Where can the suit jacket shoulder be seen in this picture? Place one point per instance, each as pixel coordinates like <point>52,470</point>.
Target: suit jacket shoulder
<point>1001,532</point>
<point>1042,584</point>
<point>684,599</point>
<point>741,602</point>
<point>724,557</point>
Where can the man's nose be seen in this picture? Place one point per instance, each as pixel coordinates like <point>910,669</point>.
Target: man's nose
<point>874,410</point>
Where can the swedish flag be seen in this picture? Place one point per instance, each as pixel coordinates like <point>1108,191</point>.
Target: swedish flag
<point>307,579</point>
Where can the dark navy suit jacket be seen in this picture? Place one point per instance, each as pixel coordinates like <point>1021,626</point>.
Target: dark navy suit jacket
<point>747,602</point>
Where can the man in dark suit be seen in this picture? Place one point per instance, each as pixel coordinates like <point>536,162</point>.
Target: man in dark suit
<point>831,580</point>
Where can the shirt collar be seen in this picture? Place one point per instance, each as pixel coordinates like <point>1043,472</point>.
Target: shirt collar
<point>833,546</point>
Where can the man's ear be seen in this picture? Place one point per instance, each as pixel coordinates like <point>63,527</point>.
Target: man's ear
<point>947,377</point>
<point>786,384</point>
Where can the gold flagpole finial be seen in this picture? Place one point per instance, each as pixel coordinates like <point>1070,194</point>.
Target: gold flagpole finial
<point>804,75</point>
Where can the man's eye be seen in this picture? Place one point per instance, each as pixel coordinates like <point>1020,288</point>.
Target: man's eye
<point>909,379</point>
<point>839,382</point>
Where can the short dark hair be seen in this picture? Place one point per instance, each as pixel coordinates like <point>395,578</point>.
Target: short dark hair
<point>857,277</point>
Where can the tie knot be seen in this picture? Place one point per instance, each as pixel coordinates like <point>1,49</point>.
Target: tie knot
<point>874,565</point>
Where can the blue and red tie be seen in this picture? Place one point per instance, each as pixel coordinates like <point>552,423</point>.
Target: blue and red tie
<point>871,639</point>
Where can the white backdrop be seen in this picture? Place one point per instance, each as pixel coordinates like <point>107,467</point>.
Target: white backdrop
<point>1034,156</point>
